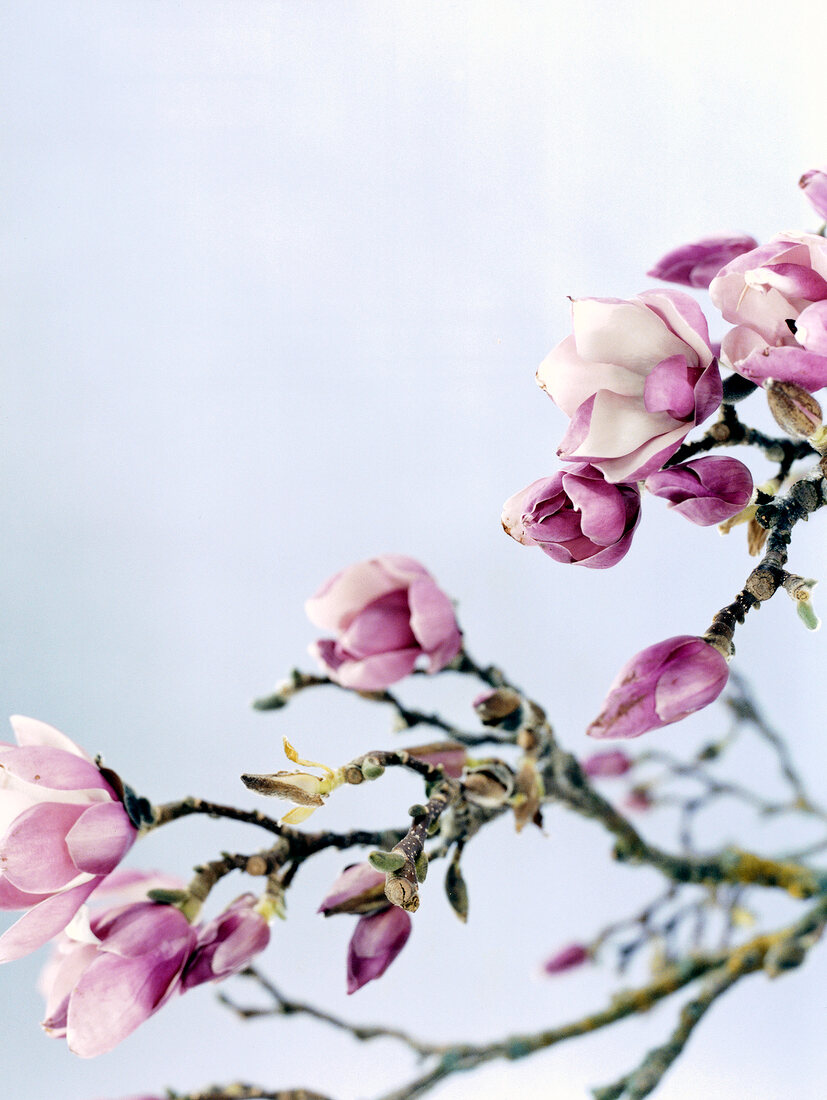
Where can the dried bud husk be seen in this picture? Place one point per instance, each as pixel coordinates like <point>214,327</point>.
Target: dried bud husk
<point>450,755</point>
<point>494,708</point>
<point>488,785</point>
<point>795,410</point>
<point>529,793</point>
<point>456,890</point>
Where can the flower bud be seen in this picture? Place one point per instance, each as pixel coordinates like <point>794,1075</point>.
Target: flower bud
<point>698,263</point>
<point>661,685</point>
<point>358,889</point>
<point>227,944</point>
<point>607,765</point>
<point>567,959</point>
<point>705,490</point>
<point>377,941</point>
<point>795,410</point>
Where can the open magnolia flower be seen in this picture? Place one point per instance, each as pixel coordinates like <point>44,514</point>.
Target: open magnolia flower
<point>635,377</point>
<point>386,613</point>
<point>308,791</point>
<point>62,830</point>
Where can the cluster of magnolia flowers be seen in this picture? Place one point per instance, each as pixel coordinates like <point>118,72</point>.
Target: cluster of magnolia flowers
<point>634,378</point>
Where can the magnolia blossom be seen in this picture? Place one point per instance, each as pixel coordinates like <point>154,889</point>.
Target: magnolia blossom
<point>567,958</point>
<point>635,377</point>
<point>763,293</point>
<point>226,944</point>
<point>62,830</point>
<point>386,613</point>
<point>814,186</point>
<point>661,685</point>
<point>374,945</point>
<point>704,490</point>
<point>106,978</point>
<point>698,263</point>
<point>576,516</point>
<point>382,930</point>
<point>606,765</point>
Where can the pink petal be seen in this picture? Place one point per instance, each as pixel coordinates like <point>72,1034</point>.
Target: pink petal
<point>51,768</point>
<point>100,838</point>
<point>376,673</point>
<point>381,627</point>
<point>43,922</point>
<point>31,731</point>
<point>33,852</point>
<point>626,334</point>
<point>433,621</point>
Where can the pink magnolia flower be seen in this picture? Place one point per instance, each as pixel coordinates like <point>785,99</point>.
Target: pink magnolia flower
<point>62,830</point>
<point>386,613</point>
<point>382,929</point>
<point>704,490</point>
<point>635,377</point>
<point>698,263</point>
<point>606,765</point>
<point>575,954</point>
<point>661,685</point>
<point>226,944</point>
<point>576,516</point>
<point>101,985</point>
<point>814,186</point>
<point>763,293</point>
<point>374,945</point>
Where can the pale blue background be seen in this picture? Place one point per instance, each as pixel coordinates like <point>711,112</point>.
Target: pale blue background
<point>276,279</point>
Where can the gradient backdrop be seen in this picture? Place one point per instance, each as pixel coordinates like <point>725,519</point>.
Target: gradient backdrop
<point>276,279</point>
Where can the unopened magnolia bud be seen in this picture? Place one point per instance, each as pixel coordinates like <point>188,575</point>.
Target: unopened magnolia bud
<point>488,785</point>
<point>795,410</point>
<point>387,861</point>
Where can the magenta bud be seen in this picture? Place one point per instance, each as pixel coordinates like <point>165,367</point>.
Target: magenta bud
<point>704,490</point>
<point>385,614</point>
<point>661,685</point>
<point>698,263</point>
<point>575,516</point>
<point>358,889</point>
<point>814,186</point>
<point>638,800</point>
<point>227,944</point>
<point>567,959</point>
<point>449,755</point>
<point>607,765</point>
<point>377,941</point>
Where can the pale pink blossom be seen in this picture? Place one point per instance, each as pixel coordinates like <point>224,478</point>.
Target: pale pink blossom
<point>102,983</point>
<point>704,490</point>
<point>698,263</point>
<point>62,830</point>
<point>661,685</point>
<point>386,614</point>
<point>635,377</point>
<point>575,516</point>
<point>763,293</point>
